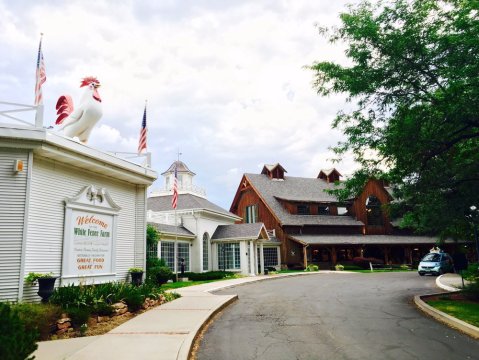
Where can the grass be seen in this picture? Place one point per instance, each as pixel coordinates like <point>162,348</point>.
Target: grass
<point>461,309</point>
<point>367,271</point>
<point>182,284</point>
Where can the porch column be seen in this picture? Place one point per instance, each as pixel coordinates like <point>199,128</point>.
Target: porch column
<point>261,257</point>
<point>305,257</point>
<point>334,258</point>
<point>244,257</point>
<point>252,259</point>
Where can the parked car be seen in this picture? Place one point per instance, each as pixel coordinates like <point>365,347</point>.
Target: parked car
<point>436,264</point>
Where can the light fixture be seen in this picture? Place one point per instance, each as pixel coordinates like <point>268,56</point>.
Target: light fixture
<point>18,166</point>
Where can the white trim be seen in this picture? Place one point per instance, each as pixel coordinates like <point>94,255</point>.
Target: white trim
<point>25,225</point>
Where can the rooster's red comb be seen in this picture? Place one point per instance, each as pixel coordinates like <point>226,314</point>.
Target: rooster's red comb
<point>88,80</point>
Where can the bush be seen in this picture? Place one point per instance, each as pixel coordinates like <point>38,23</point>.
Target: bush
<point>472,272</point>
<point>134,300</point>
<point>363,262</point>
<point>152,262</point>
<point>209,275</point>
<point>339,267</point>
<point>352,267</point>
<point>38,317</point>
<point>79,315</point>
<point>312,267</point>
<point>16,341</point>
<point>159,275</point>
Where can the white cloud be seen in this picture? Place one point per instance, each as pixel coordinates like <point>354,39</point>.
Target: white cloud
<point>225,81</point>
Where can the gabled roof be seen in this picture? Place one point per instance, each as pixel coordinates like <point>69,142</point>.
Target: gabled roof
<point>172,229</point>
<point>185,202</point>
<point>240,231</point>
<point>298,189</point>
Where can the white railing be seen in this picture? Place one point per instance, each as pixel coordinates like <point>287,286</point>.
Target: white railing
<point>9,108</point>
<point>181,188</point>
<point>141,159</point>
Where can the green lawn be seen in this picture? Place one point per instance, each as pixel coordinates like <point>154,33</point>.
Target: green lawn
<point>181,284</point>
<point>466,311</point>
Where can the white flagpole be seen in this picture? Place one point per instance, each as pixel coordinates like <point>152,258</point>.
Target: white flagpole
<point>176,248</point>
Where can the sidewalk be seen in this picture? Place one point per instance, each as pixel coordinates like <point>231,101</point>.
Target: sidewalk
<point>450,282</point>
<point>165,332</point>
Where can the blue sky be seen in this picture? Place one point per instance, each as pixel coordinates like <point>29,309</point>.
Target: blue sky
<point>225,80</point>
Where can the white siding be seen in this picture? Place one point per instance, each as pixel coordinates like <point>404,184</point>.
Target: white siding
<point>13,188</point>
<point>52,182</point>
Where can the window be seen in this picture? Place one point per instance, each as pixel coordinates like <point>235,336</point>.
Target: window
<point>168,254</point>
<point>184,252</point>
<point>373,211</point>
<point>303,209</point>
<point>229,256</point>
<point>270,255</point>
<point>251,214</point>
<point>206,246</point>
<point>152,251</point>
<point>323,210</point>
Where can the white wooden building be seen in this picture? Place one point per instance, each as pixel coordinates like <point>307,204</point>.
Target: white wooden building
<point>69,209</point>
<point>206,236</point>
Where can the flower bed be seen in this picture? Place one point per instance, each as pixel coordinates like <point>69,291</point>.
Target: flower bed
<point>90,309</point>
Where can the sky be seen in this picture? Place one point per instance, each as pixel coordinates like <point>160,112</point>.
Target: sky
<point>227,82</point>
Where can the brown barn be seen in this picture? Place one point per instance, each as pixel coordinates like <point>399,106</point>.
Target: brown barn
<point>313,227</point>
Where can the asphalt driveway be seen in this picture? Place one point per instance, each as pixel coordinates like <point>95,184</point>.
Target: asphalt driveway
<point>333,316</point>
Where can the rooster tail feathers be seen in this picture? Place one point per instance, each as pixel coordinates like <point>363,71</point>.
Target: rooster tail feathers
<point>64,108</point>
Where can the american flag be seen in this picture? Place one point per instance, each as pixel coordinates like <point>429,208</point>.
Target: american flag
<point>41,76</point>
<point>143,131</point>
<point>174,199</point>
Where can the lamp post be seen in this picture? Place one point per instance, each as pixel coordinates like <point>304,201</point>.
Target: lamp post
<point>473,215</point>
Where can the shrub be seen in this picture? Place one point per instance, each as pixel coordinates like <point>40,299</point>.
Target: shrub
<point>103,309</point>
<point>159,275</point>
<point>352,267</point>
<point>209,275</point>
<point>134,300</point>
<point>363,262</point>
<point>79,315</point>
<point>312,267</point>
<point>339,267</point>
<point>32,277</point>
<point>16,341</point>
<point>472,272</point>
<point>38,317</point>
<point>152,262</point>
<point>135,270</point>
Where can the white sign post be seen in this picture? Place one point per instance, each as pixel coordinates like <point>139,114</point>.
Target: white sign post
<point>89,237</point>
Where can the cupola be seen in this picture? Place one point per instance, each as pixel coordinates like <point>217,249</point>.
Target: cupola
<point>274,172</point>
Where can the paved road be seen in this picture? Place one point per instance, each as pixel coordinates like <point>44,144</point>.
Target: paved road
<point>333,316</point>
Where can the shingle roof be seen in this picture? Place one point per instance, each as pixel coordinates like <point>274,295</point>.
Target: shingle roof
<point>181,168</point>
<point>185,202</point>
<point>301,190</point>
<point>366,239</point>
<point>172,229</point>
<point>235,231</point>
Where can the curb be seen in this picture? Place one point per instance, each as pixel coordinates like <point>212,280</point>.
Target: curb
<point>186,348</point>
<point>439,284</point>
<point>447,319</point>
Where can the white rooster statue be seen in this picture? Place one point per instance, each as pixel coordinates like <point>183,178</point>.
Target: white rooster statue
<point>80,121</point>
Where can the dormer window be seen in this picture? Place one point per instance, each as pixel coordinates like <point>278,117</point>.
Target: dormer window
<point>303,209</point>
<point>323,210</point>
<point>274,172</point>
<point>329,175</point>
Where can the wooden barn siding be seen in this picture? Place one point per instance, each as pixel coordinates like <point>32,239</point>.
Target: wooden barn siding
<point>373,187</point>
<point>13,189</point>
<point>51,183</point>
<point>249,197</point>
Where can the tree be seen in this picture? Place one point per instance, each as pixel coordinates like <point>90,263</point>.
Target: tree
<point>414,77</point>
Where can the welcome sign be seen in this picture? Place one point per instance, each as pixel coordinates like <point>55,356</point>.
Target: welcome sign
<point>92,242</point>
<point>90,237</point>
